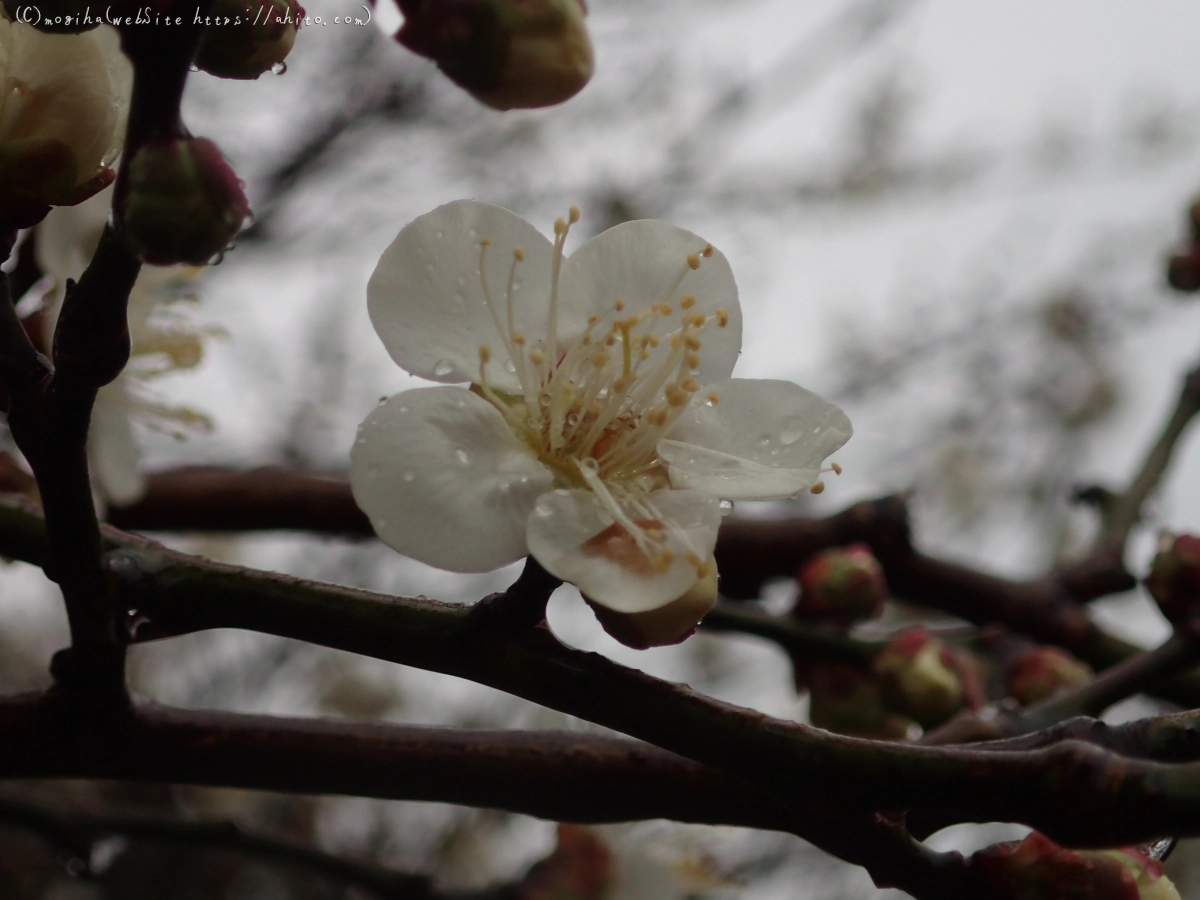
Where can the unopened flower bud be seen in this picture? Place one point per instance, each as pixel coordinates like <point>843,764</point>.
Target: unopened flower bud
<point>1041,672</point>
<point>508,54</point>
<point>1038,869</point>
<point>182,203</point>
<point>843,584</point>
<point>65,99</point>
<point>670,624</point>
<point>920,677</point>
<point>1174,579</point>
<point>846,700</point>
<point>244,46</point>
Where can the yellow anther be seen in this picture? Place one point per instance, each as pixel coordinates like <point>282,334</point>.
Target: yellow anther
<point>592,320</point>
<point>519,254</point>
<point>722,318</point>
<point>600,359</point>
<point>713,399</point>
<point>675,339</point>
<point>708,250</point>
<point>486,242</point>
<point>694,559</point>
<point>693,343</point>
<point>560,227</point>
<point>618,304</point>
<point>817,488</point>
<point>621,385</point>
<point>702,570</point>
<point>485,353</point>
<point>676,396</point>
<point>664,559</point>
<point>689,385</point>
<point>837,470</point>
<point>687,301</point>
<point>653,340</point>
<point>698,320</point>
<point>644,355</point>
<point>659,417</point>
<point>610,339</point>
<point>573,213</point>
<point>693,360</point>
<point>536,356</point>
<point>518,339</point>
<point>693,261</point>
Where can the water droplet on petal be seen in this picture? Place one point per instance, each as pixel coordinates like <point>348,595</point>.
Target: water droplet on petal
<point>726,507</point>
<point>461,455</point>
<point>279,68</point>
<point>764,440</point>
<point>510,367</point>
<point>408,476</point>
<point>404,409</point>
<point>443,368</point>
<point>193,68</point>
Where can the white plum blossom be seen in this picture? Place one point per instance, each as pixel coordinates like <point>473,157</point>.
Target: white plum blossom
<point>64,99</point>
<point>162,341</point>
<point>600,429</point>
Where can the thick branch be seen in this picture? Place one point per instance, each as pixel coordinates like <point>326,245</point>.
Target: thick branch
<point>562,776</point>
<point>77,831</point>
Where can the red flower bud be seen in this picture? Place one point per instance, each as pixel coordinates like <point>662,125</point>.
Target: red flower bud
<point>1174,579</point>
<point>1038,869</point>
<point>921,677</point>
<point>245,42</point>
<point>845,583</point>
<point>182,203</point>
<point>508,54</point>
<point>846,700</point>
<point>1042,672</point>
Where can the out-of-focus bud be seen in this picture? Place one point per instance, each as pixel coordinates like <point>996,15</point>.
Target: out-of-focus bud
<point>62,122</point>
<point>581,868</point>
<point>670,624</point>
<point>844,584</point>
<point>1174,579</point>
<point>508,54</point>
<point>921,677</point>
<point>237,44</point>
<point>1042,672</point>
<point>846,700</point>
<point>1038,869</point>
<point>182,202</point>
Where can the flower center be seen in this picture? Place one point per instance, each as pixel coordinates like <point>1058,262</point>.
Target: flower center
<point>594,408</point>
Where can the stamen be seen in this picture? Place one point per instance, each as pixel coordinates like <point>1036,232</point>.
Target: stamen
<point>693,261</point>
<point>837,470</point>
<point>817,488</point>
<point>722,317</point>
<point>687,301</point>
<point>708,251</point>
<point>713,399</point>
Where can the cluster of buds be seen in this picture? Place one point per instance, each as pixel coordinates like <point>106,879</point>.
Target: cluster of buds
<point>1038,869</point>
<point>923,678</point>
<point>1174,579</point>
<point>843,585</point>
<point>65,102</point>
<point>181,202</point>
<point>242,42</point>
<point>507,54</point>
<point>1041,672</point>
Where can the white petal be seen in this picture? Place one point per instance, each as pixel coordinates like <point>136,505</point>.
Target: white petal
<point>426,298</point>
<point>70,90</point>
<point>565,524</point>
<point>637,261</point>
<point>444,481</point>
<point>763,440</point>
<point>113,454</point>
